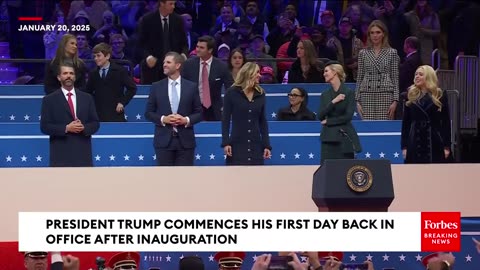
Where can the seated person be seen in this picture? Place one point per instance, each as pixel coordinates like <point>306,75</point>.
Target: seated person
<point>297,110</point>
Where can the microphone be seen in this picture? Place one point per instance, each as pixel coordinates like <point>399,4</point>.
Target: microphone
<point>345,134</point>
<point>100,262</point>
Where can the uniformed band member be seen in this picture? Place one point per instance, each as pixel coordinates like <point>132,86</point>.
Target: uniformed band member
<point>124,260</point>
<point>438,261</point>
<point>36,260</point>
<point>191,263</point>
<point>229,260</point>
<point>324,256</point>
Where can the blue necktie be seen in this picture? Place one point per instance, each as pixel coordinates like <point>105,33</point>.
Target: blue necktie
<point>104,73</point>
<point>175,99</point>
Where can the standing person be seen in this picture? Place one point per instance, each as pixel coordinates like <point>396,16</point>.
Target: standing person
<point>211,74</point>
<point>160,31</point>
<point>244,106</point>
<point>426,132</point>
<point>377,81</point>
<point>337,104</point>
<point>107,84</point>
<point>70,119</point>
<point>174,107</point>
<point>67,52</point>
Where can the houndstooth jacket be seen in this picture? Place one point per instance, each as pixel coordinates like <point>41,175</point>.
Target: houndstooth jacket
<point>377,74</point>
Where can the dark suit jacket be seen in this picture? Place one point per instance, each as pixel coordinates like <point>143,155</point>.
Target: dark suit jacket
<point>51,83</point>
<point>307,9</point>
<point>339,116</point>
<point>158,105</point>
<point>407,71</point>
<point>110,91</point>
<point>193,41</point>
<point>151,35</point>
<point>69,149</point>
<point>219,76</point>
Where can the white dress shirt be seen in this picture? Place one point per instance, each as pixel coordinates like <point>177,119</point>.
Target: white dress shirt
<point>177,89</point>
<point>209,65</point>
<point>74,99</point>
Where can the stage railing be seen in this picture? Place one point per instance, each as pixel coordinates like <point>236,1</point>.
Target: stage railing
<point>466,81</point>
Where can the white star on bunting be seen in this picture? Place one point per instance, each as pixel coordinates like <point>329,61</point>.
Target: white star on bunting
<point>126,158</point>
<point>254,257</point>
<point>140,157</point>
<point>97,158</point>
<point>396,155</point>
<point>369,257</point>
<point>155,158</point>
<point>12,117</point>
<point>39,158</point>
<point>402,258</point>
<point>212,156</point>
<point>198,157</point>
<point>468,258</point>
<point>9,158</point>
<point>210,258</point>
<point>367,155</point>
<point>112,158</point>
<point>382,155</point>
<point>353,258</point>
<point>297,156</point>
<point>138,116</point>
<point>168,258</point>
<point>39,117</point>
<point>24,158</point>
<point>181,257</point>
<point>304,259</point>
<point>274,115</point>
<point>126,117</point>
<point>282,156</point>
<point>26,117</point>
<point>418,258</point>
<point>385,258</point>
<point>311,155</point>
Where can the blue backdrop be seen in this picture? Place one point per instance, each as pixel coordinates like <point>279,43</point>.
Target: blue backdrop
<point>131,144</point>
<point>19,103</point>
<point>467,259</point>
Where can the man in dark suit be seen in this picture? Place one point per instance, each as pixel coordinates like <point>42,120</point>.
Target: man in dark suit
<point>174,107</point>
<point>211,74</point>
<point>407,70</point>
<point>160,31</point>
<point>192,37</point>
<point>107,84</point>
<point>312,10</point>
<point>70,119</point>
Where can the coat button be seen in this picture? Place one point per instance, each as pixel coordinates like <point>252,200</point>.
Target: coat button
<point>249,131</point>
<point>249,110</point>
<point>249,120</point>
<point>248,140</point>
<point>249,150</point>
<point>249,159</point>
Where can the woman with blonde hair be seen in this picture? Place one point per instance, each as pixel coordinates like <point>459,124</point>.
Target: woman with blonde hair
<point>337,104</point>
<point>377,89</point>
<point>67,52</point>
<point>248,143</point>
<point>426,132</point>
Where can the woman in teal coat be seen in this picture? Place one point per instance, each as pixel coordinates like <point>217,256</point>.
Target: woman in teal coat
<point>337,104</point>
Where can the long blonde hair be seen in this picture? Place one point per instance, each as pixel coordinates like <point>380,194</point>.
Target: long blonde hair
<point>246,77</point>
<point>431,83</point>
<point>383,27</point>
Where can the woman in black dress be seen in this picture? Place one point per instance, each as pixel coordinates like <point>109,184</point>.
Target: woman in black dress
<point>297,110</point>
<point>426,132</point>
<point>244,105</point>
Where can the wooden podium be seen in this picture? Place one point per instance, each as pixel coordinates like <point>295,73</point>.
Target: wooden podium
<point>350,185</point>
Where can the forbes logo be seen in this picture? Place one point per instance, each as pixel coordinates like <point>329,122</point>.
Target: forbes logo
<point>441,231</point>
<point>442,225</point>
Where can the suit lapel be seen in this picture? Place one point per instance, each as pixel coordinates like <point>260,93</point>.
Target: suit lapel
<point>182,96</point>
<point>165,95</point>
<point>211,78</point>
<point>196,71</point>
<point>380,59</point>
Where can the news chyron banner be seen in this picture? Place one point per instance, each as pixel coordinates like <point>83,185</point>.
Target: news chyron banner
<point>245,231</point>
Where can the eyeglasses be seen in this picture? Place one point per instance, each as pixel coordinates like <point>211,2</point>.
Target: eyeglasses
<point>294,95</point>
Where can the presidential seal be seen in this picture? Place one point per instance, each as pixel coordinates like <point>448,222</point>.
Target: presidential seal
<point>359,178</point>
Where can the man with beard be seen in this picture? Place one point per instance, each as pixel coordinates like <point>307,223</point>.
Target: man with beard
<point>174,107</point>
<point>69,117</point>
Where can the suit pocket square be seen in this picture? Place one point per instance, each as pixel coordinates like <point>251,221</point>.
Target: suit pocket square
<point>218,79</point>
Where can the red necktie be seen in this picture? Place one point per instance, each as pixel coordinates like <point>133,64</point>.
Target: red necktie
<point>207,102</point>
<point>70,104</point>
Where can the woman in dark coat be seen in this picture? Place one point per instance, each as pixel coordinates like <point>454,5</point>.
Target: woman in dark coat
<point>337,104</point>
<point>297,110</point>
<point>244,105</point>
<point>307,68</point>
<point>67,52</point>
<point>426,132</point>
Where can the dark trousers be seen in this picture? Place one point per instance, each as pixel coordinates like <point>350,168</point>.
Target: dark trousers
<point>175,154</point>
<point>209,114</point>
<point>151,75</point>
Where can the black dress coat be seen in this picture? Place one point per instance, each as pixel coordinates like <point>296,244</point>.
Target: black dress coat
<point>249,136</point>
<point>426,131</point>
<point>303,114</point>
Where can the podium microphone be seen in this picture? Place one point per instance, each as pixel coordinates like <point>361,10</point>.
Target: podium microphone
<point>345,134</point>
<point>100,262</point>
